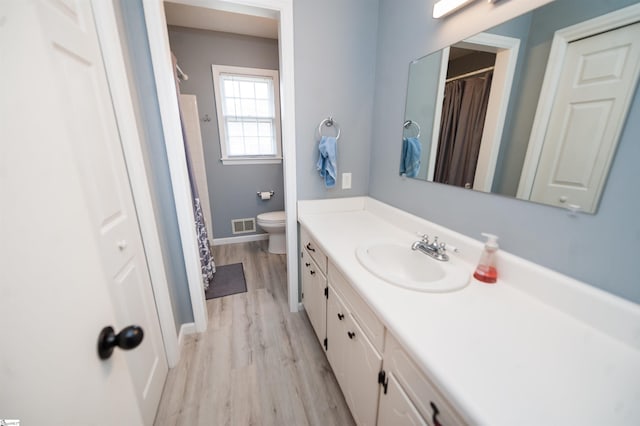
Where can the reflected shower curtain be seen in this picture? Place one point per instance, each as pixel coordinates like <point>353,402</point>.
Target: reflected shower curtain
<point>463,112</point>
<point>207,263</point>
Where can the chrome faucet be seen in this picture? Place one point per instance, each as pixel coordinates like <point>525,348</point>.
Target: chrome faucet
<point>434,249</point>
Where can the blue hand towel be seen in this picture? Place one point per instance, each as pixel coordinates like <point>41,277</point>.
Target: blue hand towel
<point>410,161</point>
<point>327,163</point>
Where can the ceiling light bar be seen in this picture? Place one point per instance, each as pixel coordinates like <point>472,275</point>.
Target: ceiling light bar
<point>445,7</point>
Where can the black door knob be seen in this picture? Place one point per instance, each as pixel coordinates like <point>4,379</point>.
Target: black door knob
<point>128,338</point>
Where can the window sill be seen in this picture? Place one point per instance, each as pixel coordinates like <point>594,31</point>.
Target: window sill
<point>250,160</point>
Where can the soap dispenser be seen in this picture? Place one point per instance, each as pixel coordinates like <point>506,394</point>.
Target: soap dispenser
<point>486,270</point>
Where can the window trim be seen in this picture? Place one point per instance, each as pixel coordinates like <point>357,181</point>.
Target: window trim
<point>222,131</point>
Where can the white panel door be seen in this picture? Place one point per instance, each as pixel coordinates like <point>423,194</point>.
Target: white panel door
<point>72,257</point>
<point>596,84</point>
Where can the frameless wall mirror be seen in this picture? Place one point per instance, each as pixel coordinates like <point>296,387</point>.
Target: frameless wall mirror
<point>533,108</point>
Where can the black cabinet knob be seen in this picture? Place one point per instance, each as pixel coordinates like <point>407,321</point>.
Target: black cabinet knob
<point>307,264</point>
<point>128,338</point>
<point>340,317</point>
<point>434,417</point>
<point>351,334</point>
<point>312,272</point>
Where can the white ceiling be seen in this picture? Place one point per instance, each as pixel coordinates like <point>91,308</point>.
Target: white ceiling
<point>219,20</point>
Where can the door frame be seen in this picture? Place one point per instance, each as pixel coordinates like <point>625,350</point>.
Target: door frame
<point>506,50</point>
<point>163,74</point>
<point>559,46</point>
<point>115,69</point>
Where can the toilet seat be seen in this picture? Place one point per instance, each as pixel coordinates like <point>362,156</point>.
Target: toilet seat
<point>272,217</point>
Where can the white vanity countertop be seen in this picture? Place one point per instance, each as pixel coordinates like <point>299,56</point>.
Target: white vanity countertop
<point>500,355</point>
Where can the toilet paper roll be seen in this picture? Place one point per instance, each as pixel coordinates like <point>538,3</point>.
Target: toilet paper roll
<point>265,195</point>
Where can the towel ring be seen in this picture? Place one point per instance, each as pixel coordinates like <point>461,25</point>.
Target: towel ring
<point>408,124</point>
<point>329,122</point>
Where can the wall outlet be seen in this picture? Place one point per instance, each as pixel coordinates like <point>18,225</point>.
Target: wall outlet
<point>346,181</point>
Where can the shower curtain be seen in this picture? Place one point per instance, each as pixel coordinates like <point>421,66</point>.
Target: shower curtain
<point>463,112</point>
<point>207,262</point>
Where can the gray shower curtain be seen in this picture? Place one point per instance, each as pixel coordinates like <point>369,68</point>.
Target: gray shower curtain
<point>463,112</point>
<point>207,264</point>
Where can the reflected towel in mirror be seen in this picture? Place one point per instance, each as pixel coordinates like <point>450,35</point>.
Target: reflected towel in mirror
<point>327,160</point>
<point>410,161</point>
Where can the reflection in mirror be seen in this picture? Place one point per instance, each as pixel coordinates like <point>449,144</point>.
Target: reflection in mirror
<point>531,108</point>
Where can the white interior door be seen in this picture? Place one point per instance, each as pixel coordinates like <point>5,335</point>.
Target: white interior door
<point>72,257</point>
<point>596,84</point>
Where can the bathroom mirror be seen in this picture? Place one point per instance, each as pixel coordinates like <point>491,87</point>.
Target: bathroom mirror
<point>532,108</point>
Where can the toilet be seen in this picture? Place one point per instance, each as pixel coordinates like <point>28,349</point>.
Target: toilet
<point>274,224</point>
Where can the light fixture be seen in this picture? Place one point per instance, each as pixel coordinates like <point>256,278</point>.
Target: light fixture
<point>445,7</point>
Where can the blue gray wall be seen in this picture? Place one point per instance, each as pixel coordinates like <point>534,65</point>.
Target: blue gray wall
<point>421,105</point>
<point>600,249</point>
<point>140,70</point>
<point>544,22</point>
<point>232,188</point>
<point>335,51</point>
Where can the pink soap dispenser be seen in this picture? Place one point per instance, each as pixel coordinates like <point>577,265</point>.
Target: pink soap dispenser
<point>486,270</point>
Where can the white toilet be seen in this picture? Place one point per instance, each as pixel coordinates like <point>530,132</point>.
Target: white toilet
<point>274,224</point>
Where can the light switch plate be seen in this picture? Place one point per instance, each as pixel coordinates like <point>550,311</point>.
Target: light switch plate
<point>346,181</point>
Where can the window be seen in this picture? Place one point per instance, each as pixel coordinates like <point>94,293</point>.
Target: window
<point>248,109</point>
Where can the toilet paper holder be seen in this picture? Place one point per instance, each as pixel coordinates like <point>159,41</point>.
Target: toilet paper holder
<point>259,193</point>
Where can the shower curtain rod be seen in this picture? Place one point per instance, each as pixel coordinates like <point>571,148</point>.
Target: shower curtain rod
<point>181,74</point>
<point>469,74</point>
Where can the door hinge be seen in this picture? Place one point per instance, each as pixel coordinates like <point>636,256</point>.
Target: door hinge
<point>326,343</point>
<point>326,292</point>
<point>383,380</point>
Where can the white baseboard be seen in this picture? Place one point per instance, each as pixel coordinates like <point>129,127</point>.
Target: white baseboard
<point>240,239</point>
<point>185,330</point>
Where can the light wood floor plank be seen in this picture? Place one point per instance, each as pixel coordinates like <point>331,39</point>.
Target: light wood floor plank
<point>257,363</point>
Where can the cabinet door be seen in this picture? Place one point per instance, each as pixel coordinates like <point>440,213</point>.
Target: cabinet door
<point>396,409</point>
<point>418,388</point>
<point>338,340</point>
<point>363,365</point>
<point>313,296</point>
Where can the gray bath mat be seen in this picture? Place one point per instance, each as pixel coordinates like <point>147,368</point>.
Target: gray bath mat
<point>228,279</point>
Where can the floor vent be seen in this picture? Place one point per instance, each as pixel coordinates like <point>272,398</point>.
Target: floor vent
<point>243,226</point>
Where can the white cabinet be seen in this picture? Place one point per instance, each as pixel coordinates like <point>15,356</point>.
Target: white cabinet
<point>355,361</point>
<point>354,339</point>
<point>313,250</point>
<point>396,409</point>
<point>359,310</point>
<point>313,267</point>
<point>314,288</point>
<point>418,393</point>
<point>337,317</point>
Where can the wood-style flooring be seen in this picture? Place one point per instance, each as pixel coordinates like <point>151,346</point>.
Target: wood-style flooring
<point>257,363</point>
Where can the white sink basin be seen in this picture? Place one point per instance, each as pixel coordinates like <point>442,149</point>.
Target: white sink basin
<point>399,265</point>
